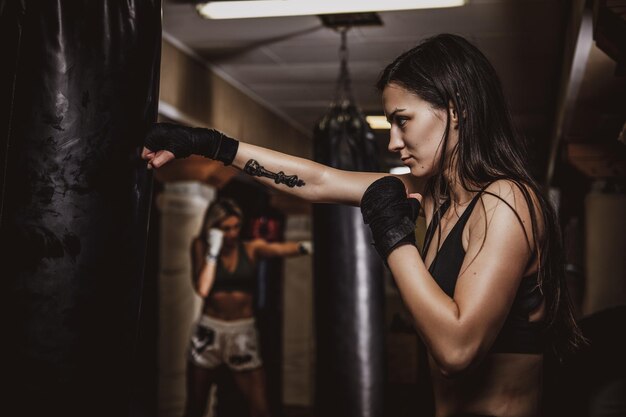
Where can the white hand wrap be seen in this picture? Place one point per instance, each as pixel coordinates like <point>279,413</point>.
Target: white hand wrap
<point>306,247</point>
<point>214,240</point>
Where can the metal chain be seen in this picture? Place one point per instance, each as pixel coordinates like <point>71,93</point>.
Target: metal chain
<point>344,83</point>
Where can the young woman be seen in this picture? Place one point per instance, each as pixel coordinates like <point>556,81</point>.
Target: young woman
<point>225,334</point>
<point>487,294</point>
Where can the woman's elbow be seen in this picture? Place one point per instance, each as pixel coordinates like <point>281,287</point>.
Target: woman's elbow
<point>456,362</point>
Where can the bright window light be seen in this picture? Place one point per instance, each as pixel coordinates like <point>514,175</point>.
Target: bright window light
<point>378,122</point>
<point>276,8</point>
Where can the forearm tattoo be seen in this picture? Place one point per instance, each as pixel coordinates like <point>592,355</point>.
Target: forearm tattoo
<point>255,169</point>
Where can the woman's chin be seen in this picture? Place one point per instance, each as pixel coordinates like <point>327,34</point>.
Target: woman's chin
<point>418,170</point>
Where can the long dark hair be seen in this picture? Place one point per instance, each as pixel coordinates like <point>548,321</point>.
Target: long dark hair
<point>217,212</point>
<point>447,68</point>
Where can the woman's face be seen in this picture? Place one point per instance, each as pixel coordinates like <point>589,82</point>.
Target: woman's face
<point>417,130</point>
<point>231,226</point>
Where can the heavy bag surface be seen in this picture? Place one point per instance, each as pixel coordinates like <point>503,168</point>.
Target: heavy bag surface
<point>349,303</point>
<point>75,198</point>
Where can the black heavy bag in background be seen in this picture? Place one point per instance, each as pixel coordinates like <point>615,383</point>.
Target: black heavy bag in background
<point>349,291</point>
<point>79,80</point>
<point>269,225</point>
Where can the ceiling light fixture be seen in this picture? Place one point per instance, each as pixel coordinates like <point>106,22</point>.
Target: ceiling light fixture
<point>378,122</point>
<point>277,8</point>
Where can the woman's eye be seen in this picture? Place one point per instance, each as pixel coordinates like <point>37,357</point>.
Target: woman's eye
<point>401,121</point>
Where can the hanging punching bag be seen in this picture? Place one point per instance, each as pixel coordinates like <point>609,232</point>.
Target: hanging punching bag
<point>80,83</point>
<point>348,274</point>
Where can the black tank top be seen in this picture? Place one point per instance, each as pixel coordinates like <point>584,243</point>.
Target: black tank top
<point>518,334</point>
<point>243,278</point>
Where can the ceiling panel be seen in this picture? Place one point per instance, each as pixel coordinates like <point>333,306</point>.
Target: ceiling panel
<point>322,72</point>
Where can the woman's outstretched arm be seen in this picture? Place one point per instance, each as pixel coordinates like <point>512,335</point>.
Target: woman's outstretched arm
<point>264,249</point>
<point>300,177</point>
<point>319,183</point>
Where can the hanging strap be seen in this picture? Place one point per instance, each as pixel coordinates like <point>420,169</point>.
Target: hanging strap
<point>343,90</point>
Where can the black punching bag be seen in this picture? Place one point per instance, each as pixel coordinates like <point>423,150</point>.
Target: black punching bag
<point>79,84</point>
<point>349,291</point>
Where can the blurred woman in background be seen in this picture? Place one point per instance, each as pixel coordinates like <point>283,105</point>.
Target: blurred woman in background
<point>224,276</point>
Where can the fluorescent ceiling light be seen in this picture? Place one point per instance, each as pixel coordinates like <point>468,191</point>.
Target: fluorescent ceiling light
<point>399,170</point>
<point>378,122</point>
<point>276,8</point>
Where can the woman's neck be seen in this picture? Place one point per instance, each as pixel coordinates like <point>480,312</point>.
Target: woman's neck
<point>458,194</point>
<point>228,249</point>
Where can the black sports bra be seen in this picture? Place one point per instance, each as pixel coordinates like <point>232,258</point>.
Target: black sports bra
<point>518,334</point>
<point>243,278</point>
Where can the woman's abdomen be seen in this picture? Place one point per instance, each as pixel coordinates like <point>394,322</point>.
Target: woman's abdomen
<point>504,384</point>
<point>229,305</point>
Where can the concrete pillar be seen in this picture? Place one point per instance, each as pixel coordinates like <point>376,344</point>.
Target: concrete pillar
<point>605,249</point>
<point>298,331</point>
<point>182,205</point>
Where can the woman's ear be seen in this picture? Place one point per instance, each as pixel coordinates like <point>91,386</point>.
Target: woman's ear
<point>454,115</point>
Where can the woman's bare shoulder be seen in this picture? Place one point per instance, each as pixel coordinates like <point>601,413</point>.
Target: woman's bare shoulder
<point>252,247</point>
<point>515,195</point>
<point>254,243</point>
<point>506,198</point>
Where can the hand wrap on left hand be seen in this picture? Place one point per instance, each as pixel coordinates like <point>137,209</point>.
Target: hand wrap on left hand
<point>305,247</point>
<point>390,214</point>
<point>184,141</point>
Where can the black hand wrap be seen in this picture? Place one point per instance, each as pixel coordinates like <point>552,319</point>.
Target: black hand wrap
<point>183,141</point>
<point>390,214</point>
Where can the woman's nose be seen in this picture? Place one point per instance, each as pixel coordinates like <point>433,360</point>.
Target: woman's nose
<point>395,140</point>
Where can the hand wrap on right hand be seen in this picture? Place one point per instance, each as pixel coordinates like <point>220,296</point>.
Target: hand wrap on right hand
<point>183,141</point>
<point>215,239</point>
<point>390,214</point>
